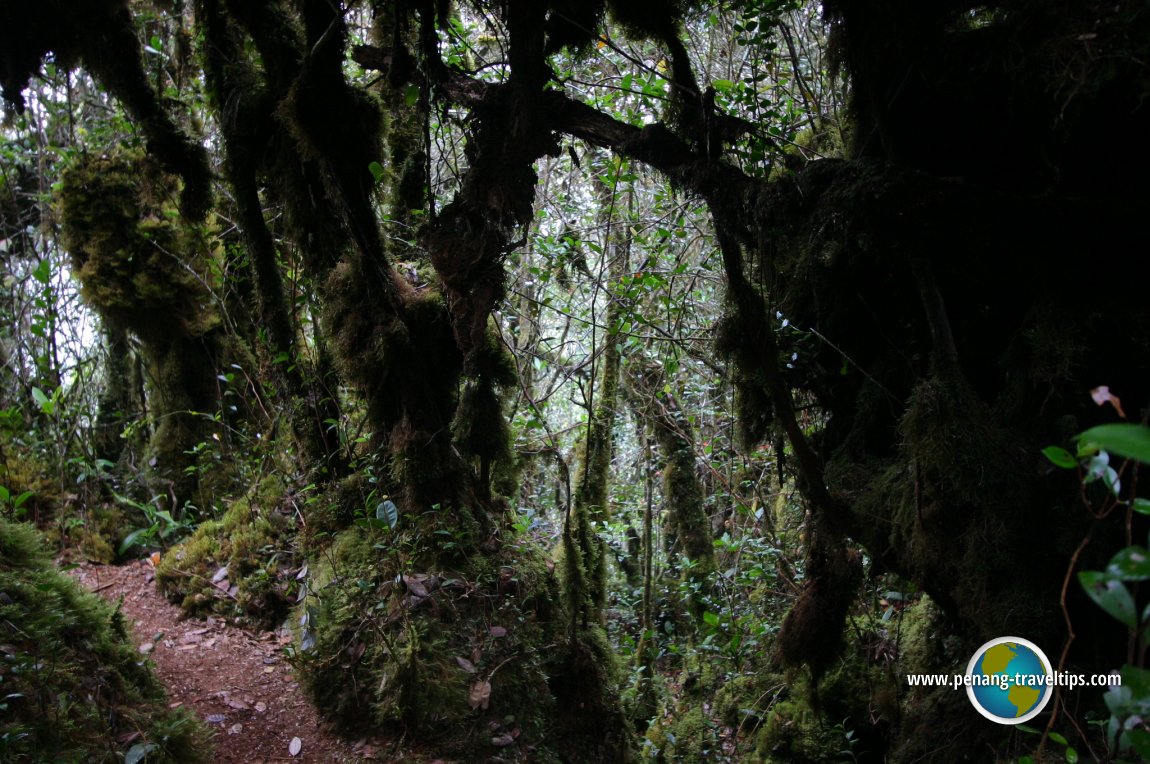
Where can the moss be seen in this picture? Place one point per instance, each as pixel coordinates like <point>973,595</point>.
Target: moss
<point>689,736</point>
<point>239,566</point>
<point>795,733</point>
<point>146,270</point>
<point>465,654</point>
<point>22,471</point>
<point>105,526</point>
<point>73,683</point>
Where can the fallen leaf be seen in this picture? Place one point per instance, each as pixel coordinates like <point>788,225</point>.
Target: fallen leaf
<point>261,707</point>
<point>295,746</point>
<point>220,575</point>
<point>147,647</point>
<point>497,631</point>
<point>502,741</point>
<point>466,665</point>
<point>216,718</point>
<point>480,695</point>
<point>235,729</point>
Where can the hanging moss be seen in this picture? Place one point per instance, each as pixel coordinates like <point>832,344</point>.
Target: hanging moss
<point>73,683</point>
<point>812,631</point>
<point>145,270</point>
<point>101,35</point>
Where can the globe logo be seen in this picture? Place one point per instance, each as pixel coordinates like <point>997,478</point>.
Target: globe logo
<point>1009,680</point>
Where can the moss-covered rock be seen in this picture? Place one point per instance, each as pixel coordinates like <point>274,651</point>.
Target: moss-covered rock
<point>476,656</point>
<point>240,566</point>
<point>73,686</point>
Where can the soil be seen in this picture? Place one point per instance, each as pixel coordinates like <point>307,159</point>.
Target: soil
<point>236,681</point>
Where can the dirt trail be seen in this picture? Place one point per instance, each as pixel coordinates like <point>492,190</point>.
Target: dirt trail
<point>237,682</point>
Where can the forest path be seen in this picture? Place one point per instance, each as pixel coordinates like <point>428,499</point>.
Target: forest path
<point>237,682</point>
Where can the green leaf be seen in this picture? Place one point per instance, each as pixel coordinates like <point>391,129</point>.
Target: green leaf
<point>387,512</point>
<point>1071,755</point>
<point>1137,680</point>
<point>42,400</point>
<point>710,619</point>
<point>1110,595</point>
<point>376,170</point>
<point>411,95</point>
<point>137,752</point>
<point>43,272</point>
<point>1131,441</point>
<point>135,537</point>
<point>1059,457</point>
<point>1130,564</point>
<point>1057,738</point>
<point>19,501</point>
<point>1141,506</point>
<point>1140,739</point>
<point>1027,729</point>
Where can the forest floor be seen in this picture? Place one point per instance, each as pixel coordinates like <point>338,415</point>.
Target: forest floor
<point>236,681</point>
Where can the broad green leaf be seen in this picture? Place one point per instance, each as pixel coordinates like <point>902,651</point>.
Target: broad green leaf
<point>1131,441</point>
<point>1130,564</point>
<point>1141,506</point>
<point>1071,755</point>
<point>42,400</point>
<point>1057,738</point>
<point>376,170</point>
<point>387,512</point>
<point>710,618</point>
<point>19,501</point>
<point>1110,595</point>
<point>138,752</point>
<point>134,538</point>
<point>1059,457</point>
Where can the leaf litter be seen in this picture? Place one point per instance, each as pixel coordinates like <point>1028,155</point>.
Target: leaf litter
<point>236,681</point>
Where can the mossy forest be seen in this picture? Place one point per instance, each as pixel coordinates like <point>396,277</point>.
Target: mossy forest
<point>584,381</point>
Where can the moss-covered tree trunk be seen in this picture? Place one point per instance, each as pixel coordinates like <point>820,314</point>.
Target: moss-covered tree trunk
<point>144,269</point>
<point>687,529</point>
<point>248,128</point>
<point>422,354</point>
<point>121,401</point>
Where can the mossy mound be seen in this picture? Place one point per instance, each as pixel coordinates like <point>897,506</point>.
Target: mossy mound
<point>477,656</point>
<point>240,566</point>
<point>73,686</point>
